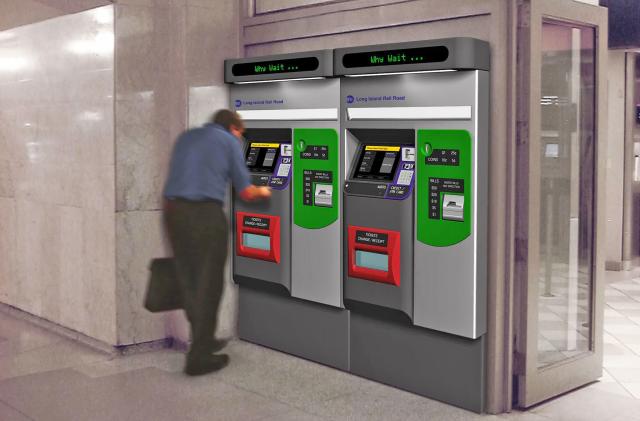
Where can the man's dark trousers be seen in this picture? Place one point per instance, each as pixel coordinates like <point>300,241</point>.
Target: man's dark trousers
<point>198,233</point>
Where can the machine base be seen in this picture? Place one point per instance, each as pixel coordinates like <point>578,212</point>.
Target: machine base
<point>268,316</point>
<point>386,348</point>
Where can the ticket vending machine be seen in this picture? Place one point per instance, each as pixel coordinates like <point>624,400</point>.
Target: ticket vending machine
<point>416,123</point>
<point>287,255</point>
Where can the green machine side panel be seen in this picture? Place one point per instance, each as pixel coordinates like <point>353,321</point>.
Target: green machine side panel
<point>444,166</point>
<point>316,165</point>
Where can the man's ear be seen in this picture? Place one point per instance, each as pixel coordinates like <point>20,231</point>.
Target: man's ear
<point>234,130</point>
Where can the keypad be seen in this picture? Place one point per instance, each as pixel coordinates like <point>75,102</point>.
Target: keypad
<point>283,170</point>
<point>405,177</point>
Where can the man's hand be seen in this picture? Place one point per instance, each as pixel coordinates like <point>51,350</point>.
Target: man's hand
<point>265,192</point>
<point>253,193</point>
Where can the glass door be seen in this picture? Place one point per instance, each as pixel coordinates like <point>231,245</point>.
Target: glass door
<point>559,272</point>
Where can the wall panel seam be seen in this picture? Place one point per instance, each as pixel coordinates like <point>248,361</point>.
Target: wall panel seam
<point>301,7</point>
<point>338,31</point>
<point>324,9</point>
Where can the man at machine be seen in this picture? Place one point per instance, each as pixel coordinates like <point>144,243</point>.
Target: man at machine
<point>203,162</point>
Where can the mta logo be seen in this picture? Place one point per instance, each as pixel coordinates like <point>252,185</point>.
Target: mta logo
<point>350,99</point>
<point>238,103</point>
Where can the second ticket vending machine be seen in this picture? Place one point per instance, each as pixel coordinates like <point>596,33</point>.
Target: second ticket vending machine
<point>416,134</point>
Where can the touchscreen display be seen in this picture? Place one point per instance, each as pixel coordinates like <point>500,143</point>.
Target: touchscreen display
<point>262,157</point>
<point>377,162</point>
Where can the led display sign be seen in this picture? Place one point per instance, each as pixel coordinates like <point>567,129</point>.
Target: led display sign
<point>293,65</point>
<point>394,57</point>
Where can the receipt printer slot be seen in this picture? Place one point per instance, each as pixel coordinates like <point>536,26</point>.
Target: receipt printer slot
<point>258,236</point>
<point>374,254</point>
<point>453,207</point>
<point>372,260</point>
<point>256,241</point>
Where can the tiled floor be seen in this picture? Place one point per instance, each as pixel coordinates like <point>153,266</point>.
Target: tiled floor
<point>622,333</point>
<point>44,377</point>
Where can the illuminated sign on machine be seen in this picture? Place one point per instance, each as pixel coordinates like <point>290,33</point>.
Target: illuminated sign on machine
<point>394,57</point>
<point>261,157</point>
<point>377,162</point>
<point>293,65</point>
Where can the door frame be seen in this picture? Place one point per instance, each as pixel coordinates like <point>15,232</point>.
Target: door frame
<point>630,74</point>
<point>533,385</point>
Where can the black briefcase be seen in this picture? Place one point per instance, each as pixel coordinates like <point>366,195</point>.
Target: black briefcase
<point>163,289</point>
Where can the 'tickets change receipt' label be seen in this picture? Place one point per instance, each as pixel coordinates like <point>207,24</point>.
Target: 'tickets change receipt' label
<point>256,222</point>
<point>372,238</point>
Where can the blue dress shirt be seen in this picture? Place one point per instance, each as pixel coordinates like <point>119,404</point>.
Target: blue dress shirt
<point>203,161</point>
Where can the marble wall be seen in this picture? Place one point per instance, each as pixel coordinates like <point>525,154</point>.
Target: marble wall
<point>169,75</point>
<point>88,119</point>
<point>14,13</point>
<point>207,93</point>
<point>57,171</point>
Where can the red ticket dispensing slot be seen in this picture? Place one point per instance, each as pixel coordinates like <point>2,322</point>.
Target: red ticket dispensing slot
<point>374,254</point>
<point>258,236</point>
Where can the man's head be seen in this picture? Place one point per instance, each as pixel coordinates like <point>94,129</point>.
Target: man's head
<point>230,120</point>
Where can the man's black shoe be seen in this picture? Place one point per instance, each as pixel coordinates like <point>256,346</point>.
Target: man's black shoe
<point>206,365</point>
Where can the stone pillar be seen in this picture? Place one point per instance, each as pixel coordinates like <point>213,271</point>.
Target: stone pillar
<point>169,75</point>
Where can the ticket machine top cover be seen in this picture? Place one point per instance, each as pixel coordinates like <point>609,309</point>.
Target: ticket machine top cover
<point>416,56</point>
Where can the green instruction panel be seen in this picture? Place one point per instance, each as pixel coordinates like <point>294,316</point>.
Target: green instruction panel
<point>316,172</point>
<point>444,187</point>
